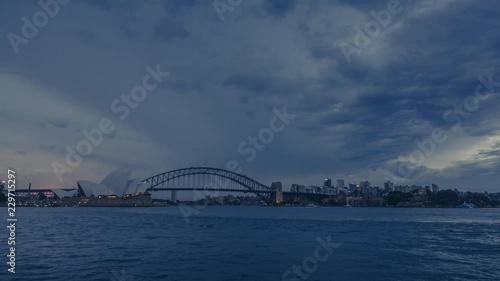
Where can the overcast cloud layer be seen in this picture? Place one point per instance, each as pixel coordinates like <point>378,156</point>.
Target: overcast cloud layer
<point>352,118</point>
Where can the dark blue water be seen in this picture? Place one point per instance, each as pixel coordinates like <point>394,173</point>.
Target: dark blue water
<point>255,243</point>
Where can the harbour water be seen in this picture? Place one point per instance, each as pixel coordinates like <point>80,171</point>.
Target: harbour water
<point>254,243</point>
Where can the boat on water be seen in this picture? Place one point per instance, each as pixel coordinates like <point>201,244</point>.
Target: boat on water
<point>312,206</point>
<point>466,206</point>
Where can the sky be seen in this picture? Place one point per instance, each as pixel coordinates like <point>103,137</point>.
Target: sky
<point>373,90</point>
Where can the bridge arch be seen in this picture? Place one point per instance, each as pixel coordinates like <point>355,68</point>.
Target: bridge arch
<point>222,178</point>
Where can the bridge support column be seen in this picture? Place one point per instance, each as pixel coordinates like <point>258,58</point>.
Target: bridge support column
<point>173,196</point>
<point>276,192</point>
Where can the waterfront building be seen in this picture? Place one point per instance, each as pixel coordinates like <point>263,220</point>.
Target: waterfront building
<point>116,189</point>
<point>64,193</point>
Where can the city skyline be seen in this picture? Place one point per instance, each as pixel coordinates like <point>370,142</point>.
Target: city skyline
<point>339,185</point>
<point>284,90</point>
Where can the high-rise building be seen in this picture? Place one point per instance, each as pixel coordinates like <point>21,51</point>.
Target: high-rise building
<point>327,183</point>
<point>435,188</point>
<point>298,187</point>
<point>340,184</point>
<point>365,184</point>
<point>389,186</point>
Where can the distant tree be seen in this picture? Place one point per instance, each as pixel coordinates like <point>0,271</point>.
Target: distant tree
<point>478,199</point>
<point>393,198</point>
<point>446,198</point>
<point>3,197</point>
<point>429,193</point>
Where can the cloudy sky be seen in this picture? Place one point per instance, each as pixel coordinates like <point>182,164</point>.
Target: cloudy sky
<point>362,99</point>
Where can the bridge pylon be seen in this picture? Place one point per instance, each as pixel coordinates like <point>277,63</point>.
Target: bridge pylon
<point>276,192</point>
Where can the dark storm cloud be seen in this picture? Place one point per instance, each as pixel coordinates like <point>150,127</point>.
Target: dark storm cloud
<point>134,140</point>
<point>279,7</point>
<point>110,6</point>
<point>260,84</point>
<point>106,5</point>
<point>86,36</point>
<point>360,4</point>
<point>170,30</point>
<point>422,76</point>
<point>62,123</point>
<point>227,76</point>
<point>48,147</point>
<point>481,175</point>
<point>174,7</point>
<point>491,153</point>
<point>7,72</point>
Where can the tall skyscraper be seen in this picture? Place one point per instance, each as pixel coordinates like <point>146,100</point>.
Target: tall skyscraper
<point>435,188</point>
<point>327,183</point>
<point>389,186</point>
<point>340,183</point>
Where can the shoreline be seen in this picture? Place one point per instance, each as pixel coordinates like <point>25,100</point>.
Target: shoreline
<point>275,206</point>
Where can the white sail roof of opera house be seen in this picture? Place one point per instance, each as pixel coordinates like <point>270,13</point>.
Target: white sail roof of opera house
<point>64,193</point>
<point>116,183</point>
<point>94,189</point>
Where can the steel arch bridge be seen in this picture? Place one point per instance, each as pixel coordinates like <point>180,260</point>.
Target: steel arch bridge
<point>207,179</point>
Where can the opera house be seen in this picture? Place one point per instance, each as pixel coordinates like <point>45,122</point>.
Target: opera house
<point>61,193</point>
<point>116,189</point>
